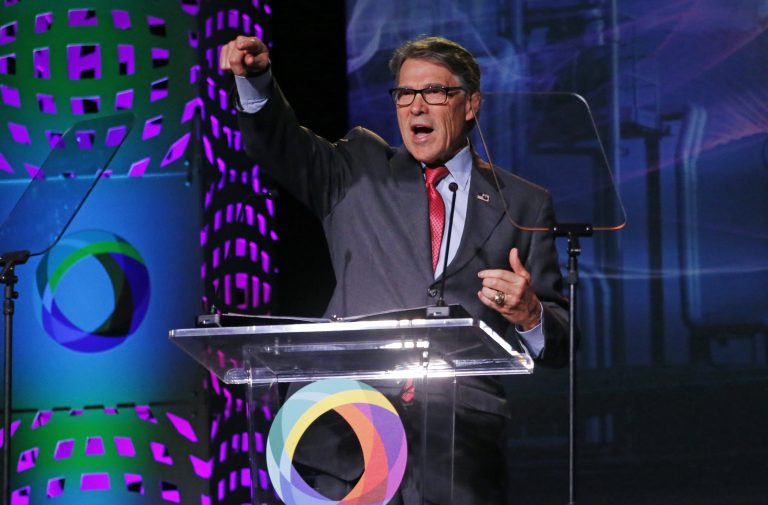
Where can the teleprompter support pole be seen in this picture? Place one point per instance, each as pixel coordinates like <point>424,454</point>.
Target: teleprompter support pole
<point>572,231</point>
<point>8,262</point>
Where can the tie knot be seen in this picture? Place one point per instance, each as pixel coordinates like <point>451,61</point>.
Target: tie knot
<point>434,175</point>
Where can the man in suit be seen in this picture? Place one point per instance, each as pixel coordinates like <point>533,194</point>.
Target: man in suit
<point>377,205</point>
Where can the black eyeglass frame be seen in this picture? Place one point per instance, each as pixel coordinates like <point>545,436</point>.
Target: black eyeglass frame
<point>447,91</point>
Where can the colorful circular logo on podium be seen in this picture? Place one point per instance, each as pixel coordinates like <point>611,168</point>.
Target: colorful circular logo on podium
<point>373,419</point>
<point>94,291</point>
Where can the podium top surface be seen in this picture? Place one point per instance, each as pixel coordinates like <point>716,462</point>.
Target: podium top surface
<point>380,349</point>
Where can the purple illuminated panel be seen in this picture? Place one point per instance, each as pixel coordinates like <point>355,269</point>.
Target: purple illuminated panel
<point>8,64</point>
<point>183,427</point>
<point>160,453</point>
<point>233,18</point>
<point>264,262</point>
<point>125,59</point>
<point>85,105</point>
<point>152,127</point>
<point>241,284</point>
<point>27,459</point>
<point>115,136</point>
<point>124,446</point>
<point>170,492</point>
<point>203,469</point>
<point>194,74</point>
<point>158,90</point>
<point>94,446</point>
<point>19,133</point>
<point>138,168</point>
<point>134,483</point>
<point>85,140</point>
<point>55,487</point>
<point>34,171</point>
<point>176,150</point>
<point>245,477</point>
<point>41,60</point>
<point>214,122</point>
<point>208,28</point>
<point>21,496</point>
<point>10,96</point>
<point>145,414</point>
<point>267,292</point>
<point>4,165</point>
<point>43,22</point>
<point>258,441</point>
<point>82,17</point>
<point>46,103</point>
<point>190,6</point>
<point>159,57</point>
<point>196,104</point>
<point>53,138</point>
<point>84,61</point>
<point>42,418</point>
<point>8,33</point>
<point>247,24</point>
<point>94,482</point>
<point>121,19</point>
<point>124,100</point>
<point>156,26</point>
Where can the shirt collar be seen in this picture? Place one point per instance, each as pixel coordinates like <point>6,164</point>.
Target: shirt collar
<point>460,167</point>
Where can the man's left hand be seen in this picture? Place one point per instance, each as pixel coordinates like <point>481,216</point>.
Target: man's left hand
<point>510,293</point>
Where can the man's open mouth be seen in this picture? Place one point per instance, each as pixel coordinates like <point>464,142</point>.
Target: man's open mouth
<point>421,132</point>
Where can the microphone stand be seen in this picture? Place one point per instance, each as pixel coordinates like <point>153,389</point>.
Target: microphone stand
<point>572,231</point>
<point>8,277</point>
<point>440,309</point>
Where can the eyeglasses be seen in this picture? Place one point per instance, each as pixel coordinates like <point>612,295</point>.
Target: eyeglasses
<point>433,95</point>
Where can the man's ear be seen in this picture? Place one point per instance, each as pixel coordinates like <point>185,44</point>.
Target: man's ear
<point>473,106</point>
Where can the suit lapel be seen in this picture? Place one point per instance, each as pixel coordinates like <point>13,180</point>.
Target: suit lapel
<point>484,213</point>
<point>410,197</point>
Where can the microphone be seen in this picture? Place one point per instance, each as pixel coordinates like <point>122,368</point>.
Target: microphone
<point>440,309</point>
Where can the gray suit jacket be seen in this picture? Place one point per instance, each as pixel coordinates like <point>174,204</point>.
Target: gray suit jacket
<point>373,205</point>
<point>372,202</point>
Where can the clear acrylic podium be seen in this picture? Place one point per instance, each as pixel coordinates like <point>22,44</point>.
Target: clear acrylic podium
<point>385,352</point>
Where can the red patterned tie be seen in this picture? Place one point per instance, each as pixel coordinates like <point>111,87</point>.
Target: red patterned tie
<point>436,210</point>
<point>436,224</point>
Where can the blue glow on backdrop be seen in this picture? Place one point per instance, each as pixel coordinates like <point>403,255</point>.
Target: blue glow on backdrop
<point>156,245</point>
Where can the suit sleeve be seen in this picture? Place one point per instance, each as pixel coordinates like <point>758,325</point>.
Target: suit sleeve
<point>543,265</point>
<point>311,168</point>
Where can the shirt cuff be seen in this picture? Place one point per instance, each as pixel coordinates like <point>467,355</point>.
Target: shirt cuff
<point>533,339</point>
<point>254,92</point>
